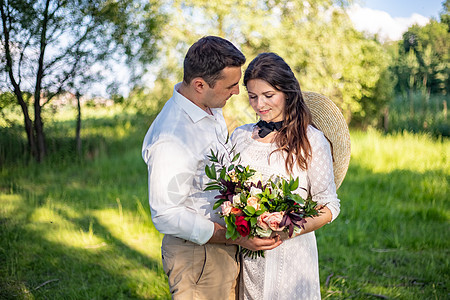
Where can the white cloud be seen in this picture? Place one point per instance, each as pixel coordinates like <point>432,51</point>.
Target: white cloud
<point>380,22</point>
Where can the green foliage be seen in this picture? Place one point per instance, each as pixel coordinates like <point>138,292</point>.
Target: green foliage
<point>424,59</point>
<point>417,112</point>
<point>315,37</point>
<point>391,238</point>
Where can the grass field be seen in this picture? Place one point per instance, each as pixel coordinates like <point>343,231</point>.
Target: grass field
<point>80,228</point>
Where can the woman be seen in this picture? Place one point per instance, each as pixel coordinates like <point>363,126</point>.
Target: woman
<point>285,143</point>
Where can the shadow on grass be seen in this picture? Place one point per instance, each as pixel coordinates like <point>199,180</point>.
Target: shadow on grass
<point>45,259</point>
<point>61,231</point>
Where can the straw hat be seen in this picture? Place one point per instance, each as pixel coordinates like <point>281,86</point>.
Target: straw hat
<point>327,117</point>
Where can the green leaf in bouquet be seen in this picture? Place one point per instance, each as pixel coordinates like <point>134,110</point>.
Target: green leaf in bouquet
<point>236,157</point>
<point>223,172</point>
<point>208,172</point>
<point>230,220</point>
<point>218,203</point>
<point>253,221</point>
<point>285,187</point>
<point>213,157</point>
<point>231,232</point>
<point>243,198</point>
<point>297,198</point>
<point>213,187</point>
<point>231,167</point>
<point>293,184</point>
<point>214,182</point>
<point>260,212</point>
<point>249,210</point>
<point>213,172</point>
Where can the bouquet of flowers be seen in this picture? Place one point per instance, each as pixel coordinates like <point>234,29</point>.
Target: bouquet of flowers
<point>251,207</point>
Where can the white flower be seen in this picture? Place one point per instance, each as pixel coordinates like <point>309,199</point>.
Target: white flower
<point>255,178</point>
<point>237,199</point>
<point>254,191</point>
<point>264,233</point>
<point>297,231</point>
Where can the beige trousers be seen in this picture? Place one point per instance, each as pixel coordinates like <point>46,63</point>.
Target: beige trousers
<point>194,271</point>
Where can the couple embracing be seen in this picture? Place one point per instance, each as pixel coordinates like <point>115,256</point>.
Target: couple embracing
<point>200,262</point>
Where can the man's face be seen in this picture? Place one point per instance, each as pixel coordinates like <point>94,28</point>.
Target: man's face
<point>224,88</point>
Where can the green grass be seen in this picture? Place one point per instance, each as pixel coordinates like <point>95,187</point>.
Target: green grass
<point>392,236</point>
<point>80,228</point>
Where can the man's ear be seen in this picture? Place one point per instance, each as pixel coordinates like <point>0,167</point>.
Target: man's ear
<point>199,85</point>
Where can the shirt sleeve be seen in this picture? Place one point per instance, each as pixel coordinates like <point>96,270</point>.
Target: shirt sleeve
<point>171,171</point>
<point>321,176</point>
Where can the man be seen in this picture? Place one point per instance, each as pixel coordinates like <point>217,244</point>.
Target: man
<point>199,261</point>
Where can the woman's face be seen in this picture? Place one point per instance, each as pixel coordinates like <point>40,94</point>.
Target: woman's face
<point>266,101</point>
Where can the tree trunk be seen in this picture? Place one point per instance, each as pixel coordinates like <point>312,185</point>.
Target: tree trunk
<point>78,129</point>
<point>17,91</point>
<point>411,103</point>
<point>38,124</point>
<point>386,119</point>
<point>444,102</point>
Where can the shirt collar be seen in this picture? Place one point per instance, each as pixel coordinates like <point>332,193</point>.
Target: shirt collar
<point>193,111</point>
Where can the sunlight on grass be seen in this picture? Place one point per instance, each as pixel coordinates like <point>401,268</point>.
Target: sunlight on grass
<point>136,232</point>
<point>401,151</point>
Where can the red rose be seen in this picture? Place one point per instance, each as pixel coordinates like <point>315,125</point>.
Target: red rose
<point>242,226</point>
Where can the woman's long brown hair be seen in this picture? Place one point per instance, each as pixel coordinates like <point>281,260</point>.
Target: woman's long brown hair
<point>291,138</point>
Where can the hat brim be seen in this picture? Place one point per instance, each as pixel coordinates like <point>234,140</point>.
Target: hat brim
<point>327,117</point>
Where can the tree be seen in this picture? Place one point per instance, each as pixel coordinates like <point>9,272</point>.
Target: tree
<point>315,37</point>
<point>51,46</point>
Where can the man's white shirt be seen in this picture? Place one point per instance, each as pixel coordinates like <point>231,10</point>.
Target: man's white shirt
<point>175,149</point>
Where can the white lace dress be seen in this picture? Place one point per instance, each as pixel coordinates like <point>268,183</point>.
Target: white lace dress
<point>290,271</point>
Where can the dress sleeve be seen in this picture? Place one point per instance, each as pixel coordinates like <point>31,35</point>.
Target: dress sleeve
<point>320,174</point>
<point>171,171</point>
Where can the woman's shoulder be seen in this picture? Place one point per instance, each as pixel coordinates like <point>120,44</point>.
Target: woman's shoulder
<point>242,131</point>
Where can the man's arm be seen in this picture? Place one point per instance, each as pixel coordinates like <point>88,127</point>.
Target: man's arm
<point>171,169</point>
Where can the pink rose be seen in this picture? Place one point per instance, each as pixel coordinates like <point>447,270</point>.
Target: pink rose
<point>253,201</point>
<point>226,208</point>
<point>262,220</point>
<point>274,221</point>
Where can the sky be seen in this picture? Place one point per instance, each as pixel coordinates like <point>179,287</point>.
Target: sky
<point>391,18</point>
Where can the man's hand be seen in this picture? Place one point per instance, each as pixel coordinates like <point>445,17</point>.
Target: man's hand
<point>256,243</point>
<point>253,244</point>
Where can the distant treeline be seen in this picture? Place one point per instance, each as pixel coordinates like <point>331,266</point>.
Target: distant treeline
<point>52,49</point>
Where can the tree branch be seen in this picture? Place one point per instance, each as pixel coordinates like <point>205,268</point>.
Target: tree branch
<point>77,44</point>
<point>22,53</point>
